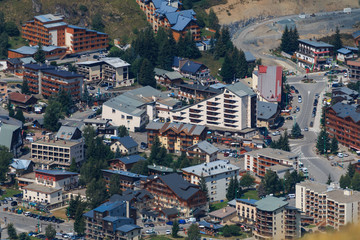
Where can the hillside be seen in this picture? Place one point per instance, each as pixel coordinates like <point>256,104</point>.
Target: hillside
<point>237,10</point>
<point>121,17</point>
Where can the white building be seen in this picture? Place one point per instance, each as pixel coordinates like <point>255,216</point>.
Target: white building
<point>217,175</point>
<point>42,194</point>
<point>233,110</point>
<point>328,204</point>
<point>135,108</point>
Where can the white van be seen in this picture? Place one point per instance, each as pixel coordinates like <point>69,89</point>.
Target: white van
<point>301,165</point>
<point>291,195</point>
<point>304,170</point>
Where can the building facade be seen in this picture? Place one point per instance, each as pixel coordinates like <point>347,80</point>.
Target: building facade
<point>196,92</point>
<point>261,160</point>
<point>246,210</point>
<point>204,151</point>
<point>172,191</point>
<point>342,122</point>
<point>128,180</point>
<point>217,176</point>
<point>51,52</point>
<point>328,204</point>
<point>234,109</point>
<point>175,137</point>
<point>354,69</point>
<point>57,153</point>
<point>267,82</point>
<point>47,80</point>
<point>125,145</point>
<point>313,55</point>
<point>50,29</point>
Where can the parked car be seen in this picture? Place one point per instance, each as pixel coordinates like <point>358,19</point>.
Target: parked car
<point>311,124</point>
<point>27,214</point>
<point>289,118</point>
<point>306,129</point>
<point>151,225</point>
<point>170,223</point>
<point>340,155</point>
<point>346,155</point>
<point>150,231</point>
<point>168,232</point>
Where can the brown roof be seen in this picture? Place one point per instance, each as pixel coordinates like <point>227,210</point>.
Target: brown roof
<point>19,97</point>
<point>354,63</point>
<point>223,212</point>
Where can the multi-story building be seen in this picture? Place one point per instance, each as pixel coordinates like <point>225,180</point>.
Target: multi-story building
<point>175,137</point>
<point>172,191</point>
<point>3,89</point>
<point>267,82</point>
<point>259,161</point>
<point>112,220</point>
<point>11,137</point>
<point>328,204</point>
<point>128,180</point>
<point>354,69</point>
<point>234,110</point>
<point>275,219</point>
<point>135,108</point>
<point>125,163</point>
<point>267,114</point>
<point>342,122</point>
<point>313,54</point>
<point>56,153</point>
<point>204,151</point>
<point>57,178</point>
<point>50,30</point>
<point>246,210</point>
<point>51,52</point>
<point>196,92</point>
<point>217,176</point>
<point>111,70</point>
<point>168,14</point>
<point>47,80</point>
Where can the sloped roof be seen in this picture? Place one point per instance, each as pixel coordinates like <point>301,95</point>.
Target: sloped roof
<point>345,110</point>
<point>266,110</point>
<point>247,201</point>
<point>6,134</point>
<point>315,43</point>
<point>159,71</point>
<point>131,159</point>
<point>189,129</point>
<point>56,172</point>
<point>344,51</point>
<point>240,89</point>
<point>249,57</point>
<point>223,212</point>
<point>27,60</point>
<point>14,61</point>
<point>176,61</point>
<point>20,164</point>
<point>211,168</point>
<point>49,18</point>
<point>206,147</point>
<point>66,132</point>
<point>179,186</point>
<point>210,225</point>
<point>128,142</point>
<point>356,34</point>
<point>173,75</point>
<point>161,168</point>
<point>125,173</point>
<point>191,67</point>
<point>19,97</point>
<point>127,228</point>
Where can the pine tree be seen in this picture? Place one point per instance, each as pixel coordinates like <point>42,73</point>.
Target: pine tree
<point>285,40</point>
<point>213,20</point>
<point>79,223</point>
<point>294,40</point>
<point>19,115</point>
<point>4,44</point>
<point>355,182</point>
<point>122,131</point>
<point>203,186</point>
<point>230,191</point>
<point>175,229</point>
<point>50,232</point>
<point>96,192</point>
<point>285,143</point>
<point>40,56</point>
<point>52,115</point>
<point>247,180</point>
<point>261,191</point>
<point>25,87</point>
<point>334,146</point>
<point>337,40</point>
<point>73,166</point>
<point>11,231</point>
<point>97,22</point>
<point>115,186</point>
<point>296,131</point>
<point>322,144</point>
<point>329,179</point>
<point>227,71</point>
<point>351,170</point>
<point>193,232</point>
<point>345,181</point>
<point>147,74</point>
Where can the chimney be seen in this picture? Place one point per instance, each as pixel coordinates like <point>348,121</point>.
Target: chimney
<point>224,210</point>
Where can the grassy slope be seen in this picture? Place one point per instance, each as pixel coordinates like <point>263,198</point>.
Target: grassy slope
<point>120,16</point>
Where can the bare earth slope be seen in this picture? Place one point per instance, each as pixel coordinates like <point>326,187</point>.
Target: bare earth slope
<point>236,10</point>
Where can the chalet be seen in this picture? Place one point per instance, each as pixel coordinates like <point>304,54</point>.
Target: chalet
<point>204,151</point>
<point>22,101</point>
<point>125,163</point>
<point>125,145</point>
<point>167,78</point>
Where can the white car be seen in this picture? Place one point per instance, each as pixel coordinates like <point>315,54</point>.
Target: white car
<point>340,155</point>
<point>345,74</point>
<point>299,100</point>
<point>168,232</point>
<point>27,214</point>
<point>150,231</point>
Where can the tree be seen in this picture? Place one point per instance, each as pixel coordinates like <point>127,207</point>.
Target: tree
<point>272,182</point>
<point>285,142</point>
<point>115,186</point>
<point>322,144</point>
<point>79,223</point>
<point>334,146</point>
<point>73,166</point>
<point>4,44</point>
<point>351,170</point>
<point>25,87</point>
<point>203,186</point>
<point>329,180</point>
<point>11,29</point>
<point>345,181</point>
<point>96,193</point>
<point>5,160</point>
<point>50,232</point>
<point>74,204</point>
<point>11,231</point>
<point>147,74</point>
<point>122,131</point>
<point>227,71</point>
<point>231,190</point>
<point>193,232</point>
<point>140,168</point>
<point>97,23</point>
<point>296,131</point>
<point>293,40</point>
<point>155,148</point>
<point>261,191</point>
<point>213,20</point>
<point>83,8</point>
<point>247,180</point>
<point>65,99</point>
<point>71,68</point>
<point>24,236</point>
<point>52,115</point>
<point>285,40</point>
<point>337,40</point>
<point>89,135</point>
<point>166,55</point>
<point>175,229</point>
<point>355,182</point>
<point>40,56</point>
<point>19,115</point>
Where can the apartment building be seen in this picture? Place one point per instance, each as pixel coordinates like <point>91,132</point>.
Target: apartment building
<point>342,122</point>
<point>196,92</point>
<point>112,220</point>
<point>354,69</point>
<point>217,176</point>
<point>246,210</point>
<point>128,180</point>
<point>172,191</point>
<point>175,137</point>
<point>328,204</point>
<point>267,82</point>
<point>135,108</point>
<point>259,161</point>
<point>47,80</point>
<point>275,219</point>
<point>168,14</point>
<point>51,52</point>
<point>204,151</point>
<point>232,110</point>
<point>111,70</point>
<point>3,89</point>
<point>313,55</point>
<point>56,153</point>
<point>51,30</point>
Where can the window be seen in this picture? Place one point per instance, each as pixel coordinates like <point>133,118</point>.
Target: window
<point>113,110</point>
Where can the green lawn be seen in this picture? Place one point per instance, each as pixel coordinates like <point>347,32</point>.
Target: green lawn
<point>252,194</point>
<point>210,62</point>
<point>16,42</point>
<point>9,193</point>
<point>218,205</point>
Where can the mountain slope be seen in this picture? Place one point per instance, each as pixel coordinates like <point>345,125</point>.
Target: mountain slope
<point>120,17</point>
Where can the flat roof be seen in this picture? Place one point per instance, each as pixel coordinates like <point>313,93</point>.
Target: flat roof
<point>274,153</point>
<point>60,143</point>
<point>49,18</point>
<point>41,188</point>
<point>211,168</point>
<point>315,186</point>
<point>315,43</point>
<point>271,203</point>
<point>223,212</point>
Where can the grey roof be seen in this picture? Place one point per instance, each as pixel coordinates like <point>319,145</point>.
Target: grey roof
<point>223,212</point>
<point>129,195</point>
<point>241,89</point>
<point>159,71</point>
<point>52,25</point>
<point>179,186</point>
<point>6,134</point>
<point>115,62</point>
<point>339,196</point>
<point>66,132</point>
<point>199,87</point>
<point>189,129</point>
<point>20,164</point>
<point>343,110</point>
<point>56,172</point>
<point>169,211</point>
<point>211,168</point>
<point>249,57</point>
<point>315,186</point>
<point>271,203</point>
<point>356,34</point>
<point>266,110</point>
<point>125,173</point>
<point>274,153</point>
<point>344,51</point>
<point>218,86</point>
<point>173,75</point>
<point>128,142</point>
<point>206,147</point>
<point>41,188</point>
<point>49,18</point>
<point>131,159</point>
<point>160,168</point>
<point>127,228</point>
<point>315,43</point>
<point>232,203</point>
<point>345,90</point>
<point>27,60</point>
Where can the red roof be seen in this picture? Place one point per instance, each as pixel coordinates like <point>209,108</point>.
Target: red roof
<point>19,97</point>
<point>262,69</point>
